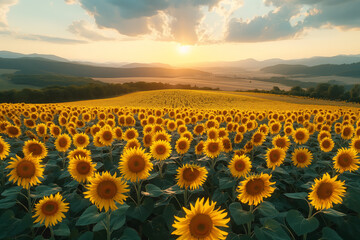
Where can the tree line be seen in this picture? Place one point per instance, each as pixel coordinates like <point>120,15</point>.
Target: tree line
<point>56,94</point>
<point>321,91</point>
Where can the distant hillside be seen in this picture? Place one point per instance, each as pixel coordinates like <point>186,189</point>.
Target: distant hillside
<point>44,66</point>
<point>8,54</point>
<point>346,70</point>
<point>134,65</point>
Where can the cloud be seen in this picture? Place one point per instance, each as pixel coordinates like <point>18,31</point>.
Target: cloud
<point>70,2</point>
<point>4,9</point>
<point>273,26</point>
<point>43,38</point>
<point>83,29</point>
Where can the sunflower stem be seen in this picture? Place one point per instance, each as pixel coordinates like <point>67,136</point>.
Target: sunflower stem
<point>137,187</point>
<point>249,224</point>
<point>161,163</point>
<point>111,155</point>
<point>51,232</point>
<point>309,216</point>
<point>186,197</point>
<point>108,230</point>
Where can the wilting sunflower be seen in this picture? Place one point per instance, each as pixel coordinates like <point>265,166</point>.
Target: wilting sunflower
<point>35,148</point>
<point>240,166</point>
<point>301,157</point>
<point>81,168</point>
<point>81,140</point>
<point>13,131</point>
<point>106,136</point>
<point>326,192</point>
<point>191,176</point>
<point>199,148</point>
<point>130,133</point>
<point>326,144</point>
<point>182,145</point>
<point>79,152</point>
<point>201,222</point>
<point>355,144</point>
<point>106,189</point>
<point>212,148</point>
<point>275,157</point>
<point>346,160</point>
<point>135,164</point>
<point>281,142</point>
<point>51,210</point>
<point>301,135</point>
<point>258,138</point>
<point>4,148</point>
<point>25,171</point>
<point>160,150</point>
<point>255,188</point>
<point>62,142</point>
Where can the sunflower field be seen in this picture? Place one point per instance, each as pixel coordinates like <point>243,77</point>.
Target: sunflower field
<point>82,172</point>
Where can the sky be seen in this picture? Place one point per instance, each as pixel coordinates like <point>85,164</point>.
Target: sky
<point>180,31</point>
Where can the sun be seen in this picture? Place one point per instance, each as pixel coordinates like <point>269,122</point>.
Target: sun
<point>184,49</point>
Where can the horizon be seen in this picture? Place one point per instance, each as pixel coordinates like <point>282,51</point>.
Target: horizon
<point>180,33</point>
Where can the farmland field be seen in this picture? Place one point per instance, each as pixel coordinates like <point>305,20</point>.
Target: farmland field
<point>180,164</point>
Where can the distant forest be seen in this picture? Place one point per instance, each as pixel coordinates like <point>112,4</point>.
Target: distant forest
<point>56,94</point>
<point>321,91</point>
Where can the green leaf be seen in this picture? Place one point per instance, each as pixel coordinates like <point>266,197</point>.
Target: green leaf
<point>86,236</point>
<point>90,216</point>
<point>143,211</point>
<point>45,190</point>
<point>62,230</point>
<point>299,195</point>
<point>271,230</point>
<point>130,234</point>
<point>7,203</point>
<point>118,217</point>
<point>329,234</point>
<point>152,191</point>
<point>239,215</point>
<point>267,209</point>
<point>352,197</point>
<point>333,213</point>
<point>219,196</point>
<point>300,224</point>
<point>11,192</point>
<point>226,183</point>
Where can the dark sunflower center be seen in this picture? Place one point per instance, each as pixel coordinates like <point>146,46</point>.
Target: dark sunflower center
<point>13,130</point>
<point>1,148</point>
<point>25,169</point>
<point>80,154</point>
<point>199,129</point>
<point>325,190</point>
<point>301,157</point>
<point>130,134</point>
<point>35,149</point>
<point>299,135</point>
<point>160,149</point>
<point>81,140</point>
<point>257,138</point>
<point>288,130</point>
<point>239,165</point>
<point>281,142</point>
<point>274,156</point>
<point>160,137</point>
<point>275,128</point>
<point>182,145</point>
<point>190,174</point>
<point>56,131</point>
<point>118,133</point>
<point>344,160</point>
<point>171,125</point>
<point>129,120</point>
<point>30,123</point>
<point>107,189</point>
<point>107,136</point>
<point>200,147</point>
<point>201,226</point>
<point>213,147</point>
<point>356,145</point>
<point>50,208</point>
<point>147,139</point>
<point>238,138</point>
<point>346,132</point>
<point>136,164</point>
<point>63,142</point>
<point>83,168</point>
<point>255,187</point>
<point>226,144</point>
<point>41,130</point>
<point>325,144</point>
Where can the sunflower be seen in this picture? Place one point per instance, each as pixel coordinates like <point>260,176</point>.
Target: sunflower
<point>199,129</point>
<point>212,148</point>
<point>79,152</point>
<point>281,142</point>
<point>106,136</point>
<point>51,210</point>
<point>130,133</point>
<point>301,135</point>
<point>118,133</point>
<point>188,135</point>
<point>322,135</point>
<point>301,157</point>
<point>25,171</point>
<point>35,148</point>
<point>264,128</point>
<point>191,176</point>
<point>355,144</point>
<point>199,148</point>
<point>81,168</point>
<point>162,135</point>
<point>41,129</point>
<point>81,140</point>
<point>240,166</point>
<point>258,138</point>
<point>326,192</point>
<point>97,142</point>
<point>29,123</point>
<point>255,188</point>
<point>346,160</point>
<point>212,133</point>
<point>4,148</point>
<point>135,164</point>
<point>275,127</point>
<point>171,125</point>
<point>326,144</point>
<point>182,145</point>
<point>238,138</point>
<point>13,131</point>
<point>106,189</point>
<point>275,157</point>
<point>160,150</point>
<point>134,143</point>
<point>226,143</point>
<point>55,130</point>
<point>347,132</point>
<point>249,146</point>
<point>288,130</point>
<point>62,142</point>
<point>201,222</point>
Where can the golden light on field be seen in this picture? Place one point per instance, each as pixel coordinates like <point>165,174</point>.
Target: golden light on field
<point>184,49</point>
